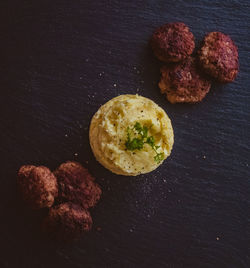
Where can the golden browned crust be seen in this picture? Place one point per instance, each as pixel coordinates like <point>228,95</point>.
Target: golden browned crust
<point>183,83</point>
<point>172,42</point>
<point>67,221</point>
<point>218,56</point>
<point>38,186</point>
<point>77,185</point>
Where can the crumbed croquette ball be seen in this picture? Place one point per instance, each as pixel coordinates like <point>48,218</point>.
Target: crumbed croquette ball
<point>182,82</point>
<point>38,186</point>
<point>172,42</point>
<point>77,185</point>
<point>218,56</point>
<point>67,221</point>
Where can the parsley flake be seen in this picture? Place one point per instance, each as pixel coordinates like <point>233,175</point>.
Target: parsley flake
<point>140,137</point>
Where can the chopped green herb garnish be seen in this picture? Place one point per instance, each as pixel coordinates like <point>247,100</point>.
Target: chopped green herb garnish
<point>140,137</point>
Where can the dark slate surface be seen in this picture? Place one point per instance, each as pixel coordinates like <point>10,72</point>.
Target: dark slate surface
<point>59,61</point>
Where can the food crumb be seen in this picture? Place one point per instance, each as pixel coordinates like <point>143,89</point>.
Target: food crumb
<point>75,154</point>
<point>114,85</point>
<point>66,135</point>
<point>204,156</point>
<point>217,238</point>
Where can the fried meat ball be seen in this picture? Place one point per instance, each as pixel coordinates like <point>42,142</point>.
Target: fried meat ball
<point>67,221</point>
<point>219,57</point>
<point>38,186</point>
<point>77,185</point>
<point>183,83</point>
<point>172,42</point>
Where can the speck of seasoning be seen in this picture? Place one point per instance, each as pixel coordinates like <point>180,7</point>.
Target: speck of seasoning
<point>66,135</point>
<point>141,111</point>
<point>75,154</point>
<point>80,77</point>
<point>114,85</point>
<point>217,238</point>
<point>131,230</point>
<point>204,156</point>
<point>134,68</point>
<point>100,74</point>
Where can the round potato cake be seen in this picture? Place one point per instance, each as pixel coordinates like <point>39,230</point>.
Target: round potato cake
<point>172,42</point>
<point>183,82</point>
<point>131,135</point>
<point>218,56</point>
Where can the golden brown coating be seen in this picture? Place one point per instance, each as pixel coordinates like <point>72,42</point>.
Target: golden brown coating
<point>172,42</point>
<point>67,221</point>
<point>38,186</point>
<point>77,185</point>
<point>219,57</point>
<point>183,83</point>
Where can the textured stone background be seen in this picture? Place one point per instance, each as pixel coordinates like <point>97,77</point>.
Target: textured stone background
<point>59,61</point>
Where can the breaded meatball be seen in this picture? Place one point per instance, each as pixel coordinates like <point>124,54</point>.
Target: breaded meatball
<point>172,42</point>
<point>67,221</point>
<point>218,56</point>
<point>77,185</point>
<point>183,83</point>
<point>38,186</point>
